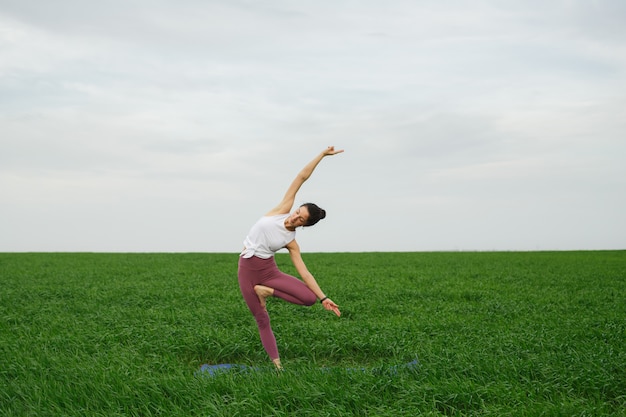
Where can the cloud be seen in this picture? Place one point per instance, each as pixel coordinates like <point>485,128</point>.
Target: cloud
<point>159,119</point>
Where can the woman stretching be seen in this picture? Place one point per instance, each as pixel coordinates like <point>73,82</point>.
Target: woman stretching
<point>259,277</point>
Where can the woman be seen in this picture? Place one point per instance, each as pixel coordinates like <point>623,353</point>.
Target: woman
<point>259,277</point>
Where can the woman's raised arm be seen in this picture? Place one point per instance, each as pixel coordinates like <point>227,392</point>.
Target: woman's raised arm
<point>290,196</point>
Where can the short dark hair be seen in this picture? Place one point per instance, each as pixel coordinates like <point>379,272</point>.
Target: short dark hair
<point>315,213</point>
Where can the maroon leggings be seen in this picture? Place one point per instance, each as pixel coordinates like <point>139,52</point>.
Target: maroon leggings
<point>256,271</point>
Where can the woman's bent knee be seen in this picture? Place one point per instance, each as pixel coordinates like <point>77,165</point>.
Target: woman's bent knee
<point>310,300</point>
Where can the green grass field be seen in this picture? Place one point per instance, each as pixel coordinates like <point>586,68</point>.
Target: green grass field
<point>495,334</point>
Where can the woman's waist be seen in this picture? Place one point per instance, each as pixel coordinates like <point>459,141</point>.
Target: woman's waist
<point>257,262</point>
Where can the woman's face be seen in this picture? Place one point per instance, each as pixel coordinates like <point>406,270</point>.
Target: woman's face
<point>298,218</point>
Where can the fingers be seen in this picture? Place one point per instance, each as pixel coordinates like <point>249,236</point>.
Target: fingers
<point>334,308</point>
<point>331,151</point>
<point>331,306</point>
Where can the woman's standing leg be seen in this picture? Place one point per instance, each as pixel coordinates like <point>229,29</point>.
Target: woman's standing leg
<point>247,279</point>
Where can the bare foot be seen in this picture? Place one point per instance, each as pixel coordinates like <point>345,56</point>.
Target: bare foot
<point>277,364</point>
<point>263,292</point>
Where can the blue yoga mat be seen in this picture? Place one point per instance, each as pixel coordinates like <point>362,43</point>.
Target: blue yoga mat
<point>213,370</point>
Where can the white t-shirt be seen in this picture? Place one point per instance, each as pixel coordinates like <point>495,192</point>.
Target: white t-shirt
<point>267,236</point>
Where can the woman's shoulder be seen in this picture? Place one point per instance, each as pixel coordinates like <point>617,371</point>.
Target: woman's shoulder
<point>271,218</point>
<point>276,213</point>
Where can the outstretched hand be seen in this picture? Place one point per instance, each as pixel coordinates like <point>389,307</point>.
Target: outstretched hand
<point>331,306</point>
<point>331,151</point>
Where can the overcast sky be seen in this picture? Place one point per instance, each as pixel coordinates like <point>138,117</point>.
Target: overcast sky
<point>162,126</point>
